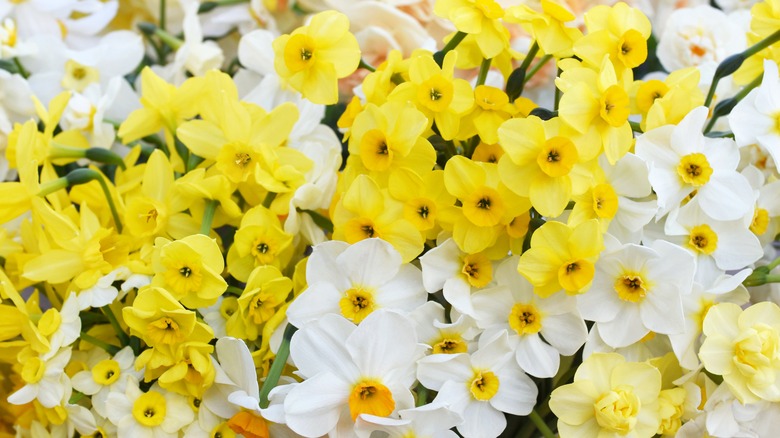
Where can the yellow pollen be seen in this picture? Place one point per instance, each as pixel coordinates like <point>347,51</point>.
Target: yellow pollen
<point>703,239</point>
<point>357,303</point>
<point>450,344</point>
<point>525,319</point>
<point>242,159</point>
<point>631,287</point>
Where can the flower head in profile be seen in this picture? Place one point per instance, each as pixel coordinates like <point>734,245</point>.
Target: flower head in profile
<point>314,57</point>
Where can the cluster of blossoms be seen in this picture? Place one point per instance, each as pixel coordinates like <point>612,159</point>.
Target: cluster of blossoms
<point>402,218</point>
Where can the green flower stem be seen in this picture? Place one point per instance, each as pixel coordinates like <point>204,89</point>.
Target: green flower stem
<point>110,349</point>
<point>163,8</point>
<point>123,337</point>
<point>277,366</point>
<point>422,395</point>
<point>558,93</point>
<point>83,176</point>
<point>22,71</point>
<point>211,5</point>
<point>269,199</point>
<point>541,425</point>
<point>635,127</point>
<point>95,154</point>
<point>538,66</point>
<point>235,291</point>
<point>483,71</point>
<point>208,216</point>
<point>724,107</point>
<point>320,220</point>
<point>729,65</point>
<point>367,66</point>
<point>451,45</point>
<point>49,187</point>
<point>169,40</point>
<point>529,57</point>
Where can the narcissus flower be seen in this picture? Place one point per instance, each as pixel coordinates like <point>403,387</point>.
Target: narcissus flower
<point>314,57</point>
<point>546,25</point>
<point>541,164</point>
<point>741,346</point>
<point>619,31</point>
<point>639,289</point>
<point>609,396</point>
<point>480,387</point>
<point>487,204</point>
<point>682,160</point>
<point>190,268</point>
<point>479,18</point>
<point>356,281</point>
<point>540,329</point>
<point>350,371</point>
<point>562,257</point>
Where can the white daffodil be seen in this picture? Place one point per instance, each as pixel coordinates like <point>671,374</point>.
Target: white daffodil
<point>433,420</point>
<point>443,337</point>
<point>103,292</point>
<point>480,387</point>
<point>512,306</point>
<point>350,371</point>
<point>355,280</point>
<point>637,290</point>
<point>45,380</point>
<point>60,68</point>
<point>682,160</point>
<point>725,289</point>
<point>195,55</point>
<point>754,119</point>
<point>615,198</point>
<point>235,394</point>
<point>156,413</point>
<point>698,36</point>
<point>718,246</point>
<point>457,273</point>
<point>106,374</point>
<point>764,223</point>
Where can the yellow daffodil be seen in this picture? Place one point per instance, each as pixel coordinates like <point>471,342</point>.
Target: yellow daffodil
<point>441,98</point>
<point>266,290</point>
<point>315,56</point>
<point>487,205</point>
<point>154,210</point>
<point>541,164</point>
<point>740,346</point>
<point>390,137</point>
<point>597,101</point>
<point>259,240</point>
<point>547,26</point>
<point>426,202</point>
<point>609,396</point>
<point>667,102</point>
<point>366,211</point>
<point>480,18</point>
<point>190,269</point>
<point>491,110</point>
<point>619,31</point>
<point>562,257</point>
<point>164,107</point>
<point>161,321</point>
<point>392,72</point>
<point>81,252</point>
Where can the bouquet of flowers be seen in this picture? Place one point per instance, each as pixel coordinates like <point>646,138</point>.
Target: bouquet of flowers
<point>398,218</point>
